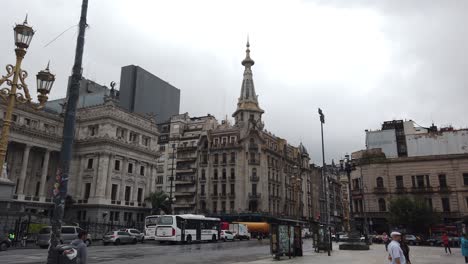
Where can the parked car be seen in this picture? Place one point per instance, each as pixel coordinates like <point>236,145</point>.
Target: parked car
<point>5,243</point>
<point>69,233</point>
<point>136,233</point>
<point>413,240</point>
<point>118,237</point>
<point>226,235</point>
<point>434,241</point>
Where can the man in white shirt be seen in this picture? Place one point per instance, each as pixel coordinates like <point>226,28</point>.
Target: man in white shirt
<point>396,255</point>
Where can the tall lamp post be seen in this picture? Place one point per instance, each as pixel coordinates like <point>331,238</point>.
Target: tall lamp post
<point>15,79</point>
<point>347,166</point>
<point>325,183</point>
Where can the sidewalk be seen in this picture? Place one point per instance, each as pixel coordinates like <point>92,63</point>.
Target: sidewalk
<point>376,255</point>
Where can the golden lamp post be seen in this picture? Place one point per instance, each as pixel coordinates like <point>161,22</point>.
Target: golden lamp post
<point>18,93</point>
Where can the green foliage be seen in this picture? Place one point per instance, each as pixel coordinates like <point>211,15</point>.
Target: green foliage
<point>34,228</point>
<point>159,202</point>
<point>414,214</point>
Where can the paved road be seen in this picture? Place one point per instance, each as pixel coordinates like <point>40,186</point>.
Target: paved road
<point>149,252</point>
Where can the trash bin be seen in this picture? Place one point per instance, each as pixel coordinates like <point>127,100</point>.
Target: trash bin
<point>64,253</point>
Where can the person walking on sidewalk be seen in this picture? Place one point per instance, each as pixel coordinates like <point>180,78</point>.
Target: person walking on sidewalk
<point>446,242</point>
<point>80,246</point>
<point>386,240</point>
<point>395,253</point>
<point>464,246</point>
<point>404,246</point>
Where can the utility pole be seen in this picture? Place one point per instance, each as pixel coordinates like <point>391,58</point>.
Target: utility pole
<point>61,185</point>
<point>325,183</point>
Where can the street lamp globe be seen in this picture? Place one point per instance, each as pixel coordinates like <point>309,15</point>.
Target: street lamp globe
<point>23,34</point>
<point>45,80</point>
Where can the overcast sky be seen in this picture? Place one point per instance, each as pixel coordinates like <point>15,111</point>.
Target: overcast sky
<point>362,62</point>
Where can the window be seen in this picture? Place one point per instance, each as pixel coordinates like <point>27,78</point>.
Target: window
<point>160,180</point>
<point>128,190</point>
<point>215,189</point>
<point>117,165</point>
<point>117,216</point>
<point>142,170</point>
<point>420,181</point>
<point>93,130</point>
<point>216,141</point>
<point>223,206</point>
<point>224,140</point>
<point>233,173</point>
<point>14,118</point>
<point>202,190</point>
<point>399,182</point>
<point>233,189</point>
<point>382,205</point>
<point>87,190</point>
<point>445,204</point>
<point>233,157</point>
<point>224,158</point>
<point>254,189</point>
<point>68,230</point>
<point>130,168</point>
<point>38,185</point>
<point>442,181</point>
<point>215,158</point>
<point>114,192</point>
<point>215,204</point>
<point>90,164</point>
<point>428,182</point>
<point>27,121</point>
<point>146,141</point>
<point>465,179</point>
<point>380,183</point>
<point>133,137</point>
<point>215,174</point>
<point>254,172</point>
<point>120,133</point>
<point>140,195</point>
<point>203,174</point>
<point>223,189</point>
<point>162,148</point>
<point>231,205</point>
<point>224,174</point>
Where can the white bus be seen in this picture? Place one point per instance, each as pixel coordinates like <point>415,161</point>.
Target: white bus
<point>150,226</point>
<point>187,228</point>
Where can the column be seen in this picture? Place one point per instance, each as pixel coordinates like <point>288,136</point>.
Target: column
<point>109,178</point>
<point>79,176</point>
<point>24,167</point>
<point>45,169</point>
<point>135,184</point>
<point>101,174</point>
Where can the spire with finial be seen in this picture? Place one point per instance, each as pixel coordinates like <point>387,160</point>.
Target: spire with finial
<point>248,62</point>
<point>26,19</point>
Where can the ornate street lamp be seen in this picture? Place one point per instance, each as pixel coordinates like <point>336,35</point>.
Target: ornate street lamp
<point>15,79</point>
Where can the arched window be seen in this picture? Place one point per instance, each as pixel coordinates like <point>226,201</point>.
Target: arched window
<point>254,172</point>
<point>233,173</point>
<point>380,182</point>
<point>382,205</point>
<point>203,174</point>
<point>215,174</point>
<point>224,173</point>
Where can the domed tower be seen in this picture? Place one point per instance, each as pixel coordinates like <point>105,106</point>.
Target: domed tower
<point>248,109</point>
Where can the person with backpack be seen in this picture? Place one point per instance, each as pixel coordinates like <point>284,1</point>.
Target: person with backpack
<point>80,246</point>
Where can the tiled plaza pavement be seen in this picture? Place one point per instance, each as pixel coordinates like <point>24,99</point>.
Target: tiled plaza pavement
<point>376,255</point>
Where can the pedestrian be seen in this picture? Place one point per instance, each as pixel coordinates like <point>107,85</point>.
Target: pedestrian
<point>464,246</point>
<point>395,253</point>
<point>80,246</point>
<point>385,240</point>
<point>445,241</point>
<point>405,248</point>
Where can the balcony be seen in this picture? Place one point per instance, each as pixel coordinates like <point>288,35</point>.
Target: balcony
<point>214,195</point>
<point>184,193</point>
<point>400,190</point>
<point>444,189</point>
<point>254,162</point>
<point>232,179</point>
<point>423,189</point>
<point>223,195</point>
<point>253,146</point>
<point>203,179</point>
<point>380,190</point>
<point>185,170</point>
<point>186,148</point>
<point>223,179</point>
<point>254,178</point>
<point>254,196</point>
<point>232,195</point>
<point>215,179</point>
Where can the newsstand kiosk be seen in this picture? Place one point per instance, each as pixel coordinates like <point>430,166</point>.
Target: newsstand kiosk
<point>286,238</point>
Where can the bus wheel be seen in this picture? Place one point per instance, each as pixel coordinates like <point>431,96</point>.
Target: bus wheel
<point>213,238</point>
<point>189,239</point>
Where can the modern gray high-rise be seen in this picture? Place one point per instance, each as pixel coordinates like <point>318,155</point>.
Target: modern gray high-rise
<point>144,93</point>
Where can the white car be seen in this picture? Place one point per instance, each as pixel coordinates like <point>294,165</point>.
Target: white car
<point>226,235</point>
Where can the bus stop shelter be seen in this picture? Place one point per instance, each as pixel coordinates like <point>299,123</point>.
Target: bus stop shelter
<point>286,237</point>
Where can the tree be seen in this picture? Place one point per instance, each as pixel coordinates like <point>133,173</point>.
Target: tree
<point>159,202</point>
<point>414,214</point>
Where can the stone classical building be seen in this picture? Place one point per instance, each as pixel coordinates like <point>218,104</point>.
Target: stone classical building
<point>421,171</point>
<point>242,168</point>
<point>113,167</point>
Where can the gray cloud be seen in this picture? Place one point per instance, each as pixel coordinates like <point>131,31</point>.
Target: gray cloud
<point>424,80</point>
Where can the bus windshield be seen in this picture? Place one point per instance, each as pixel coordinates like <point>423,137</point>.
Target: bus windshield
<point>165,220</point>
<point>151,221</point>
